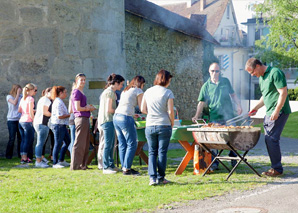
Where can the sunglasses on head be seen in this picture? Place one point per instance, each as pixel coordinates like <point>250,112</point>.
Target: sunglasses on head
<point>216,71</point>
<point>80,75</point>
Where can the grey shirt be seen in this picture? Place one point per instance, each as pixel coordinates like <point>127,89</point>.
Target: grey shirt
<point>157,105</point>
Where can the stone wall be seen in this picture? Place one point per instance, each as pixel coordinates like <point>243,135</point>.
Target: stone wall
<point>49,42</point>
<point>151,47</point>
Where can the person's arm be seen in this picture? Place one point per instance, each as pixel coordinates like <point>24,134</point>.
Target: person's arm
<point>16,99</point>
<point>70,107</point>
<point>283,93</point>
<point>46,111</point>
<point>144,106</point>
<point>171,111</point>
<point>110,106</point>
<point>259,105</point>
<point>139,98</point>
<point>64,116</point>
<point>31,110</point>
<point>236,100</point>
<point>199,111</point>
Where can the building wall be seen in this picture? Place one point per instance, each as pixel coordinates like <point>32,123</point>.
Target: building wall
<point>151,47</point>
<point>49,42</point>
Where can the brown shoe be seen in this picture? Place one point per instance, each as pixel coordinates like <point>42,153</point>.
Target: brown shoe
<point>272,173</point>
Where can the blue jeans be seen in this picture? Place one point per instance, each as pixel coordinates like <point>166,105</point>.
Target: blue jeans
<point>27,134</point>
<point>158,138</point>
<point>109,138</point>
<point>127,138</point>
<point>61,136</point>
<point>72,137</point>
<point>42,134</point>
<point>13,130</point>
<point>273,130</point>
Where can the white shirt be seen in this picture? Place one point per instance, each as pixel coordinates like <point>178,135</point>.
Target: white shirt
<point>59,109</point>
<point>13,114</point>
<point>39,116</point>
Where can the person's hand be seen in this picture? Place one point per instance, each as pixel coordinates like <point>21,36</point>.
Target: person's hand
<point>19,91</point>
<point>239,109</point>
<point>274,116</point>
<point>252,112</point>
<point>194,119</point>
<point>91,108</point>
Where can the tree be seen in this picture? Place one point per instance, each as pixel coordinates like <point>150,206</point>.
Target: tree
<point>280,46</point>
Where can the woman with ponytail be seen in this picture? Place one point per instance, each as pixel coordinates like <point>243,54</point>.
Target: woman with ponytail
<point>59,120</point>
<point>25,123</point>
<point>105,120</point>
<point>81,110</point>
<point>125,125</point>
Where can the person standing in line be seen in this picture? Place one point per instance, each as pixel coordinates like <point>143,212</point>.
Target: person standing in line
<point>13,117</point>
<point>72,126</point>
<point>81,110</point>
<point>105,120</point>
<point>158,104</point>
<point>41,119</point>
<point>274,90</point>
<point>125,125</point>
<point>26,121</point>
<point>59,121</point>
<point>217,93</point>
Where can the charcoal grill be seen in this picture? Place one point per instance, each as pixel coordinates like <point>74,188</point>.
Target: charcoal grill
<point>235,139</point>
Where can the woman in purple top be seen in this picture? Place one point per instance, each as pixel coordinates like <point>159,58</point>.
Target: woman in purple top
<point>81,110</point>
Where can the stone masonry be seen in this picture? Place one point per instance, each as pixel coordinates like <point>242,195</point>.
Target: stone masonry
<point>47,42</point>
<point>151,47</point>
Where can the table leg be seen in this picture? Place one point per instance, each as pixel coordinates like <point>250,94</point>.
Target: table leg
<point>188,156</point>
<point>140,151</point>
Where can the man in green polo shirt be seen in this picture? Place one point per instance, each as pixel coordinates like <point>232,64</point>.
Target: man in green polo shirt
<point>274,90</point>
<point>217,92</point>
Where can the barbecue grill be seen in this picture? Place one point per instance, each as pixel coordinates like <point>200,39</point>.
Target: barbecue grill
<point>227,138</point>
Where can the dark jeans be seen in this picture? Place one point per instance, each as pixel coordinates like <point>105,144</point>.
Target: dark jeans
<point>61,135</point>
<point>27,134</point>
<point>50,137</point>
<point>273,130</point>
<point>13,130</point>
<point>158,138</point>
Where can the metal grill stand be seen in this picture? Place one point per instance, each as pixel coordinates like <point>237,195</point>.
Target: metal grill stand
<point>227,139</point>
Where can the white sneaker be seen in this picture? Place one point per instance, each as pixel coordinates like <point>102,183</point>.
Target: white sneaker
<point>64,163</point>
<point>58,166</point>
<point>45,160</point>
<point>109,171</point>
<point>41,165</point>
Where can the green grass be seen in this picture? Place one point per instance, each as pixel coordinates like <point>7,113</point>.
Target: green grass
<point>62,190</point>
<point>290,129</point>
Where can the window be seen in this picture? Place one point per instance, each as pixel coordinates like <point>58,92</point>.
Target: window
<point>228,11</point>
<point>257,35</point>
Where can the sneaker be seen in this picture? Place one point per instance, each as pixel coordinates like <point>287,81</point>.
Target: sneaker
<point>64,163</point>
<point>58,166</point>
<point>152,182</point>
<point>117,169</point>
<point>29,160</point>
<point>23,161</point>
<point>41,165</point>
<point>163,181</point>
<point>45,160</point>
<point>109,171</point>
<point>131,172</point>
<point>272,173</point>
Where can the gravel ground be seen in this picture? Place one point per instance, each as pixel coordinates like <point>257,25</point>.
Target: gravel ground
<point>278,196</point>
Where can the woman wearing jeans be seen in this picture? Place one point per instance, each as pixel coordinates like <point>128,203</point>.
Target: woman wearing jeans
<point>13,117</point>
<point>105,120</point>
<point>59,120</point>
<point>41,119</point>
<point>158,104</point>
<point>25,123</point>
<point>125,125</point>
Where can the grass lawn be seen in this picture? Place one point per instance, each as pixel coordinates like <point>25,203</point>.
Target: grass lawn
<point>61,190</point>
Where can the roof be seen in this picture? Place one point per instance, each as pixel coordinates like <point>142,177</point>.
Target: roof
<point>214,10</point>
<point>254,21</point>
<point>160,15</point>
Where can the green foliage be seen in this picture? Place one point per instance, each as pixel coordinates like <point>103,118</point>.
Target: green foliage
<point>293,94</point>
<point>280,46</point>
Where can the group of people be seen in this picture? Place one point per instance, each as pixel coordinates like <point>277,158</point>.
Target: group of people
<point>157,102</point>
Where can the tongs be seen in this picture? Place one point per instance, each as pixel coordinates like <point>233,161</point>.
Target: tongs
<point>244,117</point>
<point>201,124</point>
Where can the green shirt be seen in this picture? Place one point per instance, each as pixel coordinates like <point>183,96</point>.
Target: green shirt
<point>103,114</point>
<point>272,80</point>
<point>218,98</point>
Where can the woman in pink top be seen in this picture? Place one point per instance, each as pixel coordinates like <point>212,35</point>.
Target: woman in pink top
<point>25,123</point>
